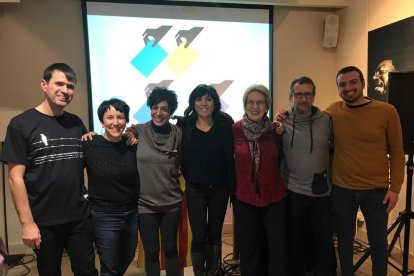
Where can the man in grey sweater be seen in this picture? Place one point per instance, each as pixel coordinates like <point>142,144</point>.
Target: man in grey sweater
<point>305,166</point>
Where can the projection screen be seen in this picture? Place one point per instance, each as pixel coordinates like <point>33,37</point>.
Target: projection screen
<point>133,47</point>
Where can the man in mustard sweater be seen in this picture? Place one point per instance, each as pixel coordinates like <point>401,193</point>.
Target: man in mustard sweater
<point>368,167</point>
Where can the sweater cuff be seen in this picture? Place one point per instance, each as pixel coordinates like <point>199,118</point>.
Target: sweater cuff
<point>395,188</point>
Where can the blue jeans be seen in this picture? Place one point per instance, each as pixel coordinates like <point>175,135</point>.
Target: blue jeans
<point>76,238</point>
<point>206,212</point>
<point>115,236</point>
<point>345,205</point>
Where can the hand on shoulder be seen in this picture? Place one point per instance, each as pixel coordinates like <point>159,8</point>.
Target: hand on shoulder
<point>88,136</point>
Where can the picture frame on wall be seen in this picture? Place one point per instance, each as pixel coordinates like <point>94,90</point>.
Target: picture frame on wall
<point>390,48</point>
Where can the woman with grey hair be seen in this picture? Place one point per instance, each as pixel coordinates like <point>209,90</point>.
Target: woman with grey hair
<point>260,196</point>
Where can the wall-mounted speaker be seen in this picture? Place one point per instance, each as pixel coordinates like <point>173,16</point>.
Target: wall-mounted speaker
<point>330,37</point>
<point>401,95</point>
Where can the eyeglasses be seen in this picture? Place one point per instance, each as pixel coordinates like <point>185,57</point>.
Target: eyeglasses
<point>300,95</point>
<point>260,103</point>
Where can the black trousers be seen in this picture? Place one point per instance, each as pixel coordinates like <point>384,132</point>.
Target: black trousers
<point>76,238</point>
<point>151,226</point>
<point>310,217</point>
<point>206,212</point>
<point>262,238</point>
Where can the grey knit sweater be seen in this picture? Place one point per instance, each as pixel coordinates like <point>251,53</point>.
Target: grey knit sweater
<point>160,189</point>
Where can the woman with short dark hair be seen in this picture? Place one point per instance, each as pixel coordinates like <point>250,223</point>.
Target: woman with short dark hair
<point>160,196</point>
<point>113,189</point>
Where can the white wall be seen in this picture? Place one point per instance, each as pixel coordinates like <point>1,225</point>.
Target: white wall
<point>298,37</point>
<point>33,35</point>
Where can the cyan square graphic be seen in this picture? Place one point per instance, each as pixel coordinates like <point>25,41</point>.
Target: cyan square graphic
<point>147,60</point>
<point>143,114</point>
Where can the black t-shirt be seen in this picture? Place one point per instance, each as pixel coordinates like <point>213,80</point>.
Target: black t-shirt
<point>113,180</point>
<point>50,148</point>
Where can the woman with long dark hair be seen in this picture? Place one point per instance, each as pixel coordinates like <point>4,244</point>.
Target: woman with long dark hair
<point>208,167</point>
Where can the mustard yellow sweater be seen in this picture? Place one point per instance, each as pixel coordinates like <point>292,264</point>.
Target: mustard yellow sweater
<point>368,146</point>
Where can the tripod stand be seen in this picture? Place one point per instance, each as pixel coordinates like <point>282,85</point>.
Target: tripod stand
<point>403,221</point>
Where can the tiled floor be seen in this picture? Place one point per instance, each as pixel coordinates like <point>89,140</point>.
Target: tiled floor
<point>364,270</point>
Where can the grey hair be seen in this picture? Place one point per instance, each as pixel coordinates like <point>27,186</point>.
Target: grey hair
<point>262,90</point>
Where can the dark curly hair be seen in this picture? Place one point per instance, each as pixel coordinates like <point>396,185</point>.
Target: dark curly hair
<point>159,94</point>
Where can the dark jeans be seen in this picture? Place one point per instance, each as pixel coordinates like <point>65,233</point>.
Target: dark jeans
<point>262,238</point>
<point>115,236</point>
<point>346,203</point>
<point>312,214</point>
<point>206,212</point>
<point>151,225</point>
<point>76,238</point>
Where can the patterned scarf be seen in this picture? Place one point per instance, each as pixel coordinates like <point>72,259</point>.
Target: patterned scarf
<point>253,131</point>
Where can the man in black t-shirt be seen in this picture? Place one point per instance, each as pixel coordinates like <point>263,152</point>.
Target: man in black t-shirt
<point>43,151</point>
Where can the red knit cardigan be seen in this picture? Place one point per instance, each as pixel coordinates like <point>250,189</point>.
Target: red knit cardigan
<point>265,187</point>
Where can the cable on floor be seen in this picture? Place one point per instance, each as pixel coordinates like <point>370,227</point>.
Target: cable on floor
<point>359,247</point>
<point>231,265</point>
<point>27,258</point>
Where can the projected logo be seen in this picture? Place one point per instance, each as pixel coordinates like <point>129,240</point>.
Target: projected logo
<point>152,55</point>
<point>144,114</point>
